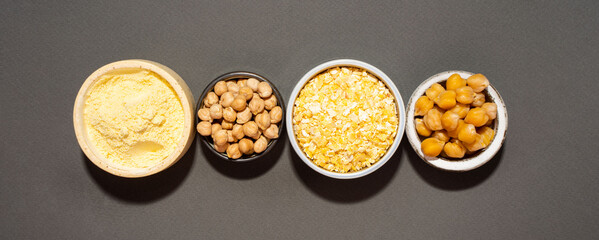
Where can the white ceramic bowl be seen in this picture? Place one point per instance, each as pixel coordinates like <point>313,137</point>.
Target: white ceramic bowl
<point>184,94</point>
<point>469,162</point>
<point>348,63</point>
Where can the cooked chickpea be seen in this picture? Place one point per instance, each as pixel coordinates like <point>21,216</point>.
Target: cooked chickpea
<point>454,133</point>
<point>432,119</point>
<point>204,128</point>
<point>264,89</point>
<point>491,110</point>
<point>246,146</point>
<point>220,88</point>
<point>478,82</point>
<point>233,151</point>
<point>247,92</point>
<point>432,147</point>
<point>250,129</point>
<point>454,149</point>
<point>271,132</point>
<point>263,120</point>
<point>454,82</point>
<point>237,131</point>
<point>461,109</point>
<point>210,99</point>
<point>446,99</point>
<point>215,128</point>
<point>467,133</point>
<point>221,148</point>
<point>253,83</point>
<point>276,114</point>
<point>477,117</point>
<point>423,104</point>
<point>479,100</point>
<point>260,144</point>
<point>204,114</point>
<point>239,103</point>
<point>256,105</point>
<point>465,95</point>
<point>216,111</point>
<point>227,99</point>
<point>434,91</point>
<point>449,120</point>
<point>421,128</point>
<point>242,82</point>
<point>230,137</point>
<point>441,135</point>
<point>270,102</point>
<point>244,116</point>
<point>232,87</point>
<point>226,125</point>
<point>475,145</point>
<point>229,114</point>
<point>220,137</point>
<point>487,135</point>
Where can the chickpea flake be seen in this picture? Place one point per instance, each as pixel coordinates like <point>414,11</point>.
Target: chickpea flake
<point>345,119</point>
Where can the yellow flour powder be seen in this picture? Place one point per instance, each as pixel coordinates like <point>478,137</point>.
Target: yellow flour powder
<point>133,117</point>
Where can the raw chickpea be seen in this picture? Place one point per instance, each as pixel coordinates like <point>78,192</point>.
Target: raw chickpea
<point>204,128</point>
<point>454,133</point>
<point>237,131</point>
<point>276,114</point>
<point>441,135</point>
<point>434,91</point>
<point>423,104</point>
<point>226,125</point>
<point>264,89</point>
<point>247,92</point>
<point>270,102</point>
<point>449,120</point>
<point>232,87</point>
<point>220,88</point>
<point>465,95</point>
<point>215,128</point>
<point>230,137</point>
<point>479,100</point>
<point>454,82</point>
<point>260,144</point>
<point>221,148</point>
<point>246,146</point>
<point>253,83</point>
<point>216,111</point>
<point>461,109</point>
<point>256,105</point>
<point>229,114</point>
<point>467,133</point>
<point>421,128</point>
<point>454,149</point>
<point>478,82</point>
<point>432,119</point>
<point>226,99</point>
<point>487,135</point>
<point>244,116</point>
<point>210,99</point>
<point>233,151</point>
<point>204,114</point>
<point>242,83</point>
<point>263,120</point>
<point>477,117</point>
<point>250,129</point>
<point>220,137</point>
<point>271,132</point>
<point>432,147</point>
<point>239,103</point>
<point>491,110</point>
<point>446,99</point>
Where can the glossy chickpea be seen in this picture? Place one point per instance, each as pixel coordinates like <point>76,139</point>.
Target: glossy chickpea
<point>276,114</point>
<point>487,135</point>
<point>491,110</point>
<point>422,105</point>
<point>432,119</point>
<point>441,135</point>
<point>465,95</point>
<point>467,133</point>
<point>226,125</point>
<point>477,117</point>
<point>461,109</point>
<point>263,120</point>
<point>449,120</point>
<point>432,147</point>
<point>232,87</point>
<point>270,102</point>
<point>260,144</point>
<point>204,128</point>
<point>256,105</point>
<point>229,114</point>
<point>220,88</point>
<point>220,137</point>
<point>233,151</point>
<point>478,82</point>
<point>434,91</point>
<point>264,89</point>
<point>216,111</point>
<point>247,92</point>
<point>446,99</point>
<point>250,129</point>
<point>227,99</point>
<point>454,82</point>
<point>454,133</point>
<point>210,99</point>
<point>204,114</point>
<point>246,146</point>
<point>221,148</point>
<point>479,100</point>
<point>421,128</point>
<point>475,145</point>
<point>454,149</point>
<point>237,131</point>
<point>271,132</point>
<point>253,83</point>
<point>244,116</point>
<point>239,103</point>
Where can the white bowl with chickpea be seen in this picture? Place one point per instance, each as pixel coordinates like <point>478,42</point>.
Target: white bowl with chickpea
<point>240,116</point>
<point>456,121</point>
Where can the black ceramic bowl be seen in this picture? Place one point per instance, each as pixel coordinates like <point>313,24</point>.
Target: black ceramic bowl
<point>236,75</point>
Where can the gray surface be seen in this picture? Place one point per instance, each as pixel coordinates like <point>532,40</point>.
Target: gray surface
<point>542,56</point>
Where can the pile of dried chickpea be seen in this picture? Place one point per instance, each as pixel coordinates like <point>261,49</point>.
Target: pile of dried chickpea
<point>241,116</point>
<point>456,119</point>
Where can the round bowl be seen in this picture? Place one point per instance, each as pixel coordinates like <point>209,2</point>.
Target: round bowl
<point>235,75</point>
<point>469,162</point>
<point>185,97</point>
<point>346,63</point>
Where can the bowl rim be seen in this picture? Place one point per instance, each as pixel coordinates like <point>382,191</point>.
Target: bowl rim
<point>465,164</point>
<point>382,77</point>
<point>183,93</point>
<point>235,75</point>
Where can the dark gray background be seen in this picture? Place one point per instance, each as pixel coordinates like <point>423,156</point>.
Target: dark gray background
<point>543,57</point>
